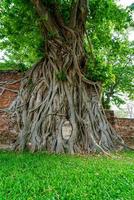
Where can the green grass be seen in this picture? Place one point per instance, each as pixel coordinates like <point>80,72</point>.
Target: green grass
<point>42,176</point>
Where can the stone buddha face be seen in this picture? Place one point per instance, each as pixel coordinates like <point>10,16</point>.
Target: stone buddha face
<point>66,130</point>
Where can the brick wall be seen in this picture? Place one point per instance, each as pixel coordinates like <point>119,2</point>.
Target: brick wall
<point>125,127</point>
<point>7,95</point>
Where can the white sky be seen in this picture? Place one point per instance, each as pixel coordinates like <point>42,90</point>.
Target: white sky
<point>126,2</point>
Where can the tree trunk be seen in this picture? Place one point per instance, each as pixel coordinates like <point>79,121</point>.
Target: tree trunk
<point>58,109</point>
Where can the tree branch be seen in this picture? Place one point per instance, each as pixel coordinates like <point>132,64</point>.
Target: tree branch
<point>50,17</point>
<point>73,14</point>
<point>78,14</point>
<point>45,16</point>
<point>91,49</point>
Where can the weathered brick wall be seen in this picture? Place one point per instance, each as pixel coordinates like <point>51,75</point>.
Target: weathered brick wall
<point>125,127</point>
<point>7,95</point>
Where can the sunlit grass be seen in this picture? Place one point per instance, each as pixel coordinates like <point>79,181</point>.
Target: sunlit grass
<point>42,176</point>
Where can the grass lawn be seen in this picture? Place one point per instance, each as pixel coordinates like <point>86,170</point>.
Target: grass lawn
<point>42,176</point>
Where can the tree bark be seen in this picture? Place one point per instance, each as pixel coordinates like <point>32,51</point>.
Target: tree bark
<point>58,109</point>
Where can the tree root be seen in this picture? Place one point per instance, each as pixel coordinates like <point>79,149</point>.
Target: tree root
<point>57,110</point>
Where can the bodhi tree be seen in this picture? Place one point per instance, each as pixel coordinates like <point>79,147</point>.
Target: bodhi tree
<point>55,91</point>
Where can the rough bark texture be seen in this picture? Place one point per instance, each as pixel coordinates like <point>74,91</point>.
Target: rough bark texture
<point>55,94</point>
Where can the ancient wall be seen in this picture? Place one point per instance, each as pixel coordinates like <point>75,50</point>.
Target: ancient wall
<point>9,85</point>
<point>125,127</point>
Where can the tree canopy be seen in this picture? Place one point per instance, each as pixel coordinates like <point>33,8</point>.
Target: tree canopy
<point>108,51</point>
<point>20,33</point>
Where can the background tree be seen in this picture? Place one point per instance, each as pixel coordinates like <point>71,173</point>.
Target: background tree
<point>57,91</point>
<point>122,69</point>
<point>123,74</point>
<point>114,56</point>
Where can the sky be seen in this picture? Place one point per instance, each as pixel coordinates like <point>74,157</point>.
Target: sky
<point>124,3</point>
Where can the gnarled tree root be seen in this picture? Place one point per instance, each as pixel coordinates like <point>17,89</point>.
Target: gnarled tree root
<point>61,115</point>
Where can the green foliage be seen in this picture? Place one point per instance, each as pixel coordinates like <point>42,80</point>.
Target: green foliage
<point>113,52</point>
<point>104,19</point>
<point>20,32</point>
<point>20,37</point>
<point>42,176</point>
<point>8,65</point>
<point>100,72</point>
<point>120,57</point>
